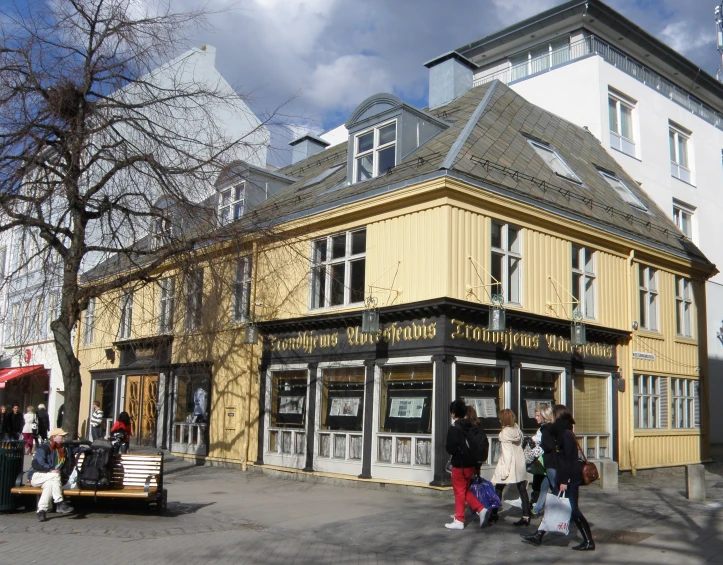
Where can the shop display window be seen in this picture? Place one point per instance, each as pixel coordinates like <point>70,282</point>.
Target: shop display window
<point>288,403</point>
<point>342,399</point>
<point>481,387</point>
<point>536,387</point>
<point>192,396</point>
<point>406,402</point>
<point>590,407</point>
<point>104,392</point>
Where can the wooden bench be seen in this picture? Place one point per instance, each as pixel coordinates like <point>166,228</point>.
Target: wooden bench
<point>138,477</point>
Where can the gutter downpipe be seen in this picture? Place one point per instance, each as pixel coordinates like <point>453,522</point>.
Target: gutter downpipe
<point>631,448</point>
<point>250,364</point>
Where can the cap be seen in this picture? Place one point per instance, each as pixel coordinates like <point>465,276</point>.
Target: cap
<point>57,432</point>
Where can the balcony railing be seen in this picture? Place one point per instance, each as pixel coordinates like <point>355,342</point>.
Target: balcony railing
<point>593,45</point>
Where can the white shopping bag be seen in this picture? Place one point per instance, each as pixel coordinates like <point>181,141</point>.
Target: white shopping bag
<point>72,480</point>
<point>557,514</point>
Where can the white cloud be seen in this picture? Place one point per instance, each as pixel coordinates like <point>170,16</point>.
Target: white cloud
<point>685,37</point>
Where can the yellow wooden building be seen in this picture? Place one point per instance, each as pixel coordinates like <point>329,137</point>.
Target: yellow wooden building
<point>434,215</point>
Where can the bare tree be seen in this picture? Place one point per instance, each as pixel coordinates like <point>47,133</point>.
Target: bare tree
<point>97,135</point>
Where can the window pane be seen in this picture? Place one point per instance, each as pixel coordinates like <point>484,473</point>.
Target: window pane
<point>496,272</point>
<point>653,312</point>
<point>224,216</point>
<point>358,242</point>
<point>589,261</point>
<point>636,411</point>
<point>576,281</point>
<point>496,236</point>
<point>645,408</point>
<point>319,254</point>
<point>575,257</point>
<point>682,151</point>
<point>357,281</point>
<point>652,282</point>
<point>387,134</point>
<point>386,159</point>
<point>364,168</point>
<point>613,115</point>
<point>513,283</point>
<point>318,287</point>
<point>671,139</point>
<point>589,298</point>
<point>365,142</point>
<point>513,240</point>
<point>226,197</point>
<point>336,295</point>
<point>238,210</point>
<point>338,246</point>
<point>641,277</point>
<point>626,121</point>
<point>240,192</point>
<point>643,304</point>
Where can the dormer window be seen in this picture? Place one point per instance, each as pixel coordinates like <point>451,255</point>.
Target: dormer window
<point>554,161</point>
<point>162,232</point>
<point>231,203</point>
<point>375,151</point>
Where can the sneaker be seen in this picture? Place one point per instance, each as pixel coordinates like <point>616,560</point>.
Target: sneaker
<point>65,508</point>
<point>483,517</point>
<point>455,525</point>
<point>41,516</point>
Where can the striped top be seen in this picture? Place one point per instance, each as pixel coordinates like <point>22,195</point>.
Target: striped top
<point>96,418</point>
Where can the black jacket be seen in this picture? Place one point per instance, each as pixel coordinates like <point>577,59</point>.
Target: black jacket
<point>548,446</point>
<point>568,466</point>
<point>456,444</point>
<point>43,422</point>
<point>13,423</point>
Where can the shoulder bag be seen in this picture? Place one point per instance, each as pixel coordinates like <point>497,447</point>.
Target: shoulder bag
<point>590,473</point>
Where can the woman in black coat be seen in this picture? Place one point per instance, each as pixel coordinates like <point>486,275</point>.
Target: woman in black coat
<point>568,470</point>
<point>43,422</point>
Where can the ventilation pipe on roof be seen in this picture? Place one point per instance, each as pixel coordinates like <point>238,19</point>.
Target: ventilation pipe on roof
<point>306,146</point>
<point>450,76</point>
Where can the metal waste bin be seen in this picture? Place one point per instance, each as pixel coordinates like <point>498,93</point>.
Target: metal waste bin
<point>12,455</point>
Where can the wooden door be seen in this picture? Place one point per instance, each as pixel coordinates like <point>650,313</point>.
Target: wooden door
<point>141,401</point>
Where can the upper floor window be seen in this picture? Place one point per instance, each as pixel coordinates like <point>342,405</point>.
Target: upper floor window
<point>167,303</point>
<point>684,403</point>
<point>338,267</point>
<point>375,151</point>
<point>683,216</point>
<point>679,152</point>
<point>126,315</point>
<point>623,191</point>
<point>554,161</point>
<point>649,400</point>
<point>648,292</point>
<point>583,280</point>
<point>231,203</point>
<point>242,290</point>
<point>162,232</point>
<point>683,307</point>
<point>194,300</point>
<point>506,261</point>
<point>89,322</point>
<point>620,115</point>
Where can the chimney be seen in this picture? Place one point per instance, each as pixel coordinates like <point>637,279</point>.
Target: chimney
<point>450,76</point>
<point>306,146</point>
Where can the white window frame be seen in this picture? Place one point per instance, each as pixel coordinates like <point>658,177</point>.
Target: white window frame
<point>683,403</point>
<point>677,137</point>
<point>162,232</point>
<point>375,150</point>
<point>243,271</point>
<point>648,416</point>
<point>648,298</point>
<point>126,315</point>
<point>232,208</point>
<point>89,322</point>
<point>683,217</point>
<point>623,191</point>
<point>167,303</point>
<point>553,160</point>
<point>619,141</point>
<point>683,307</point>
<point>194,300</point>
<point>324,267</point>
<point>581,276</point>
<point>508,256</point>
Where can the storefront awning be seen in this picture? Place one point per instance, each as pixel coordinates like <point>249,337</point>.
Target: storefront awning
<point>16,372</point>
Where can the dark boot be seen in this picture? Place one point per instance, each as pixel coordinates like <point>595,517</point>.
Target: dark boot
<point>534,496</point>
<point>587,542</point>
<point>535,539</point>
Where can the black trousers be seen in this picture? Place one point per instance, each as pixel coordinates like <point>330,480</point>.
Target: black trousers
<point>522,488</point>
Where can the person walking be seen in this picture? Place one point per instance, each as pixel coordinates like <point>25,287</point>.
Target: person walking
<point>96,420</point>
<point>15,423</point>
<point>30,428</point>
<point>43,422</point>
<point>4,416</point>
<point>544,416</point>
<point>464,466</point>
<point>568,475</point>
<point>511,469</point>
<point>51,468</point>
<point>123,424</point>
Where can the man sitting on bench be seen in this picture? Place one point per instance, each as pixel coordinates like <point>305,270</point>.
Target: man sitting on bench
<point>50,471</point>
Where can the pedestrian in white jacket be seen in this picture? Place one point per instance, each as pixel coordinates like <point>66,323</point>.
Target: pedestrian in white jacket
<point>511,468</point>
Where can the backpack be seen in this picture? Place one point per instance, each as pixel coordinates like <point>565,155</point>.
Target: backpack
<point>478,444</point>
<point>96,471</point>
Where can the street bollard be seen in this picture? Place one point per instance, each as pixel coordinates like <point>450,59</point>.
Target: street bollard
<point>695,482</point>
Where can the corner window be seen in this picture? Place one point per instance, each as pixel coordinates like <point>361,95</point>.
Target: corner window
<point>88,322</point>
<point>168,291</point>
<point>126,315</point>
<point>505,261</point>
<point>679,140</point>
<point>684,403</point>
<point>683,307</point>
<point>683,217</point>
<point>194,300</point>
<point>338,266</point>
<point>623,191</point>
<point>231,203</point>
<point>375,151</point>
<point>648,292</point>
<point>649,398</point>
<point>554,161</point>
<point>583,280</point>
<point>242,290</point>
<point>620,115</point>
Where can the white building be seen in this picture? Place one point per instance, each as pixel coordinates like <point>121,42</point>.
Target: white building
<point>30,299</point>
<point>656,112</point>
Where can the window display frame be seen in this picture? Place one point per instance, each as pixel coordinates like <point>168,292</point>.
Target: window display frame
<point>590,442</point>
<point>563,380</point>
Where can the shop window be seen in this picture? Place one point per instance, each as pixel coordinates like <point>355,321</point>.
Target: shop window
<point>683,307</point>
<point>104,392</point>
<point>190,426</point>
<point>342,413</point>
<point>194,300</point>
<point>338,266</point>
<point>126,315</point>
<point>650,402</point>
<point>648,297</point>
<point>480,386</point>
<point>405,414</point>
<point>679,141</point>
<point>375,151</point>
<point>242,290</point>
<point>590,406</point>
<point>88,322</point>
<point>506,261</point>
<point>583,280</point>
<point>620,115</point>
<point>288,412</point>
<point>685,403</point>
<point>536,387</point>
<point>168,292</point>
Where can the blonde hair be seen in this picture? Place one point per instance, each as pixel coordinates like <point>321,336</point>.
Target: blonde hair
<point>41,406</point>
<point>545,412</point>
<point>507,418</point>
<point>30,409</point>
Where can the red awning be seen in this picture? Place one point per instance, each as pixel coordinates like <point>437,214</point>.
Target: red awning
<point>15,372</point>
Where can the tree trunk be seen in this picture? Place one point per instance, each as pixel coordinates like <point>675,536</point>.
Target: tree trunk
<point>70,367</point>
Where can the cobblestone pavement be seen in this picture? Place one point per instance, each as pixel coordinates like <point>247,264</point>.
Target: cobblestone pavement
<point>221,516</point>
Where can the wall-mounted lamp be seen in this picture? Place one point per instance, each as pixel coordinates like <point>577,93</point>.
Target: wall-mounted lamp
<point>578,335</point>
<point>498,316</point>
<point>110,354</point>
<point>635,325</point>
<point>370,316</point>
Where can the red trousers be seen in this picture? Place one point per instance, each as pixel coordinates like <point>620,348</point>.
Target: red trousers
<point>461,479</point>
